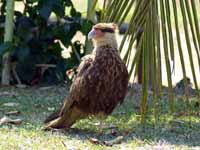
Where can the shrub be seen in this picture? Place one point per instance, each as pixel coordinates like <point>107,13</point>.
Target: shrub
<point>37,32</point>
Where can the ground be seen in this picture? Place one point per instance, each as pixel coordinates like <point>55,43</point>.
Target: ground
<point>34,104</point>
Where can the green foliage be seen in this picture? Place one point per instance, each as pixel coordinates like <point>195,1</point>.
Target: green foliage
<point>37,31</point>
<point>170,29</point>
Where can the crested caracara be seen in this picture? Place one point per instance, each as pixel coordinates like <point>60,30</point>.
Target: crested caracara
<point>100,84</point>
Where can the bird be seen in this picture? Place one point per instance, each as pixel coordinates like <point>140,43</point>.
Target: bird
<point>100,84</point>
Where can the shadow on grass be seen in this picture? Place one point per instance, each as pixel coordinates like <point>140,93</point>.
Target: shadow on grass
<point>35,105</point>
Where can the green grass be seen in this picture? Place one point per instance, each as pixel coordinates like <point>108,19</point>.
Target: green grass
<point>181,132</point>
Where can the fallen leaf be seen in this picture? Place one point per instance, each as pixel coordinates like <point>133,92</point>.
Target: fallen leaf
<point>45,88</point>
<point>21,86</point>
<point>11,94</point>
<point>6,120</point>
<point>10,104</point>
<point>50,108</point>
<point>68,147</point>
<point>95,141</point>
<point>117,140</point>
<point>13,113</point>
<point>63,143</point>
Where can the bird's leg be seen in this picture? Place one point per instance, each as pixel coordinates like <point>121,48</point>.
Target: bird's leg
<point>102,118</point>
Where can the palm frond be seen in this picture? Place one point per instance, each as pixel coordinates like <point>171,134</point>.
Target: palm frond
<point>161,45</point>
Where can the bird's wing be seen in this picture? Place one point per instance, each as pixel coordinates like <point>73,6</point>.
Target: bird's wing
<point>77,89</point>
<point>85,64</point>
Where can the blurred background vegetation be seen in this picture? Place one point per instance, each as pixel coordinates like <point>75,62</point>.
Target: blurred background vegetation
<point>42,30</point>
<point>160,45</point>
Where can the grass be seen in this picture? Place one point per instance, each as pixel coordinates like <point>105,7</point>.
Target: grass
<point>180,132</point>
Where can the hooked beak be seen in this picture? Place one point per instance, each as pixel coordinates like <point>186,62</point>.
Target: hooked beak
<point>91,34</point>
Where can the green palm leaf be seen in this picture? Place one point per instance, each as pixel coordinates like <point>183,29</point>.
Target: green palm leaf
<point>163,22</point>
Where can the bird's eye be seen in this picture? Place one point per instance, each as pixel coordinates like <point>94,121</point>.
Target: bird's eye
<point>110,30</point>
<point>97,29</point>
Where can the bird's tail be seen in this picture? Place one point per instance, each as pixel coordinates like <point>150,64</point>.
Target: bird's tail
<point>66,120</point>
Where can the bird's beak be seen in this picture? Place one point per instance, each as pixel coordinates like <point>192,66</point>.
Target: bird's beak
<point>91,34</point>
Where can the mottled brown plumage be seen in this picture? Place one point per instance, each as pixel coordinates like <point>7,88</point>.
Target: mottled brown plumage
<point>100,84</point>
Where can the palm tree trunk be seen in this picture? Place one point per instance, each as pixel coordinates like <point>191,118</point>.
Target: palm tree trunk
<point>91,10</point>
<point>90,16</point>
<point>8,38</point>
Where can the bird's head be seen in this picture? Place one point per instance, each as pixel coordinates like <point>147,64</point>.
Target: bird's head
<point>104,34</point>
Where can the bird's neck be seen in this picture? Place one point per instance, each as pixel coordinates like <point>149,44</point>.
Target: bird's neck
<point>105,50</point>
<point>111,41</point>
